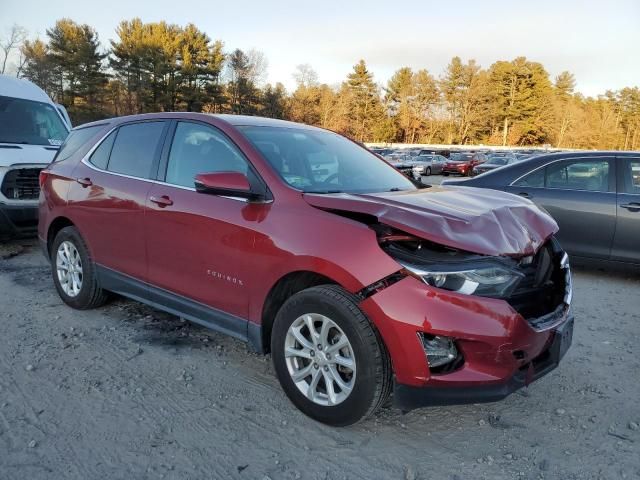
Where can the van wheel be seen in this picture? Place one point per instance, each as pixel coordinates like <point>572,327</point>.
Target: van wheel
<point>329,359</point>
<point>74,273</point>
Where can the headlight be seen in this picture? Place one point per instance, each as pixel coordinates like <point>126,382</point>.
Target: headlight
<point>418,168</point>
<point>486,281</point>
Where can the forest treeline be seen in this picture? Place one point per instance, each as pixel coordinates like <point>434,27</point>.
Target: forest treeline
<point>152,67</point>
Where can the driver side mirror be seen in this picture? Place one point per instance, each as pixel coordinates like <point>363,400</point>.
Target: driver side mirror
<point>230,184</point>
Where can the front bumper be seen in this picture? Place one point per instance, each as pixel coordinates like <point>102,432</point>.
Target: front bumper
<point>501,351</point>
<point>18,220</point>
<point>462,170</point>
<point>407,397</point>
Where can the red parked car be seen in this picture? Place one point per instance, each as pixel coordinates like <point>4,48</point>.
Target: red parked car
<point>463,163</point>
<point>306,245</point>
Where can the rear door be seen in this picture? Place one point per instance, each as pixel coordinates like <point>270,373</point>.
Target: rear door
<point>107,201</point>
<point>626,243</point>
<point>580,194</point>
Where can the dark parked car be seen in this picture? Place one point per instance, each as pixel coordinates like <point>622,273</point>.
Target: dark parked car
<point>306,245</point>
<point>594,197</point>
<point>495,160</point>
<point>463,163</point>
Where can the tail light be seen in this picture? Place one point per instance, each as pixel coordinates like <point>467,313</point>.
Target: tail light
<point>42,177</point>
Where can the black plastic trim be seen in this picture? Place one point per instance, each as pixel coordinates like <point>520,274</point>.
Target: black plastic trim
<point>191,310</point>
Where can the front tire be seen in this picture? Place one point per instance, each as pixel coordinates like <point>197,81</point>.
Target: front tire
<point>73,270</point>
<point>428,171</point>
<point>329,359</point>
<point>446,174</point>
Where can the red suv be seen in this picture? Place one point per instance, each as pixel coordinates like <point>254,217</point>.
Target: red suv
<point>306,245</point>
<point>463,163</point>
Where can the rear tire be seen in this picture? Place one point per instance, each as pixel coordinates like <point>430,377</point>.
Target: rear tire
<point>73,270</point>
<point>367,382</point>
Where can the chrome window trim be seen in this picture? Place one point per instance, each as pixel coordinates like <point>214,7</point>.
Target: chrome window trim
<point>85,161</point>
<point>512,184</point>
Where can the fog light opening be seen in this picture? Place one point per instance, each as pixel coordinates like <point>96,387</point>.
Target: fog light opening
<point>441,351</point>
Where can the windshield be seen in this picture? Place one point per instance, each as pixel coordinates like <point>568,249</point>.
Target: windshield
<point>28,122</point>
<point>317,161</point>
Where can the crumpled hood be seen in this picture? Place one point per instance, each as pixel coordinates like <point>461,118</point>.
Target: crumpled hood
<point>476,220</point>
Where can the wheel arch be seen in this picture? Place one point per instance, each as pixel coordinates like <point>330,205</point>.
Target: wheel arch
<point>286,286</point>
<point>54,227</point>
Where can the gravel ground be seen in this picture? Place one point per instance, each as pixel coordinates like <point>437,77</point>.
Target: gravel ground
<point>127,392</point>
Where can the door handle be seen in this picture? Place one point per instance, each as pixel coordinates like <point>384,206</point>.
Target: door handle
<point>85,182</point>
<point>524,194</point>
<point>633,206</point>
<point>163,201</point>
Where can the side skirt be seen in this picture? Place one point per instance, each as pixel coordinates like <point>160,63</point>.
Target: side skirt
<point>180,306</point>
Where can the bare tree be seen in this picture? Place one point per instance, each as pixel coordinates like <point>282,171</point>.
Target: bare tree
<point>258,65</point>
<point>305,76</point>
<point>17,35</point>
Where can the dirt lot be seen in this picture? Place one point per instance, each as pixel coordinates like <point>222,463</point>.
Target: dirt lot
<point>127,392</point>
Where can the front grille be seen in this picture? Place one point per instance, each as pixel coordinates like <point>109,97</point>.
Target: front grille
<point>21,184</point>
<point>539,296</point>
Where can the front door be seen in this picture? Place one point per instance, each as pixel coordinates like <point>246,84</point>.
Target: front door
<point>626,243</point>
<point>200,245</point>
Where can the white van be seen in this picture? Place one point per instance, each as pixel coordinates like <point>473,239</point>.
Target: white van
<point>32,128</point>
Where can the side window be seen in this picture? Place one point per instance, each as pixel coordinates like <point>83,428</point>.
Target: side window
<point>134,149</point>
<point>590,175</point>
<point>198,148</point>
<point>75,140</point>
<point>100,156</point>
<point>534,179</point>
<point>632,176</point>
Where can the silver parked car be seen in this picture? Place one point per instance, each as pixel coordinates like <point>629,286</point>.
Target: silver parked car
<point>427,165</point>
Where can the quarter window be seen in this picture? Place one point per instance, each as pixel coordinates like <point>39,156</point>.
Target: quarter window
<point>534,179</point>
<point>135,148</point>
<point>100,156</point>
<point>198,148</point>
<point>75,140</point>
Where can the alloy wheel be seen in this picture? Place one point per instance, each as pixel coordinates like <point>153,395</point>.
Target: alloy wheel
<point>320,359</point>
<point>69,268</point>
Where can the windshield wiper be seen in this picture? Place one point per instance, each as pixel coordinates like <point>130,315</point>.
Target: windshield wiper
<point>322,192</point>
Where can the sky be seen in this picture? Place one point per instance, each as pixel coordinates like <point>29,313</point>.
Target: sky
<point>598,41</point>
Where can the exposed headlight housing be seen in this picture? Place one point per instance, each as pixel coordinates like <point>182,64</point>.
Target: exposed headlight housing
<point>486,280</point>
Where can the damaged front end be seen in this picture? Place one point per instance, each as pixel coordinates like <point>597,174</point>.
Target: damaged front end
<point>486,323</point>
<point>537,286</point>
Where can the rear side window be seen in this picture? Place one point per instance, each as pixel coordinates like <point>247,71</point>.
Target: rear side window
<point>75,140</point>
<point>589,175</point>
<point>135,148</point>
<point>100,156</point>
<point>632,176</point>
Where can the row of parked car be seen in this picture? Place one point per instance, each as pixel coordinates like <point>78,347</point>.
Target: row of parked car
<point>419,162</point>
